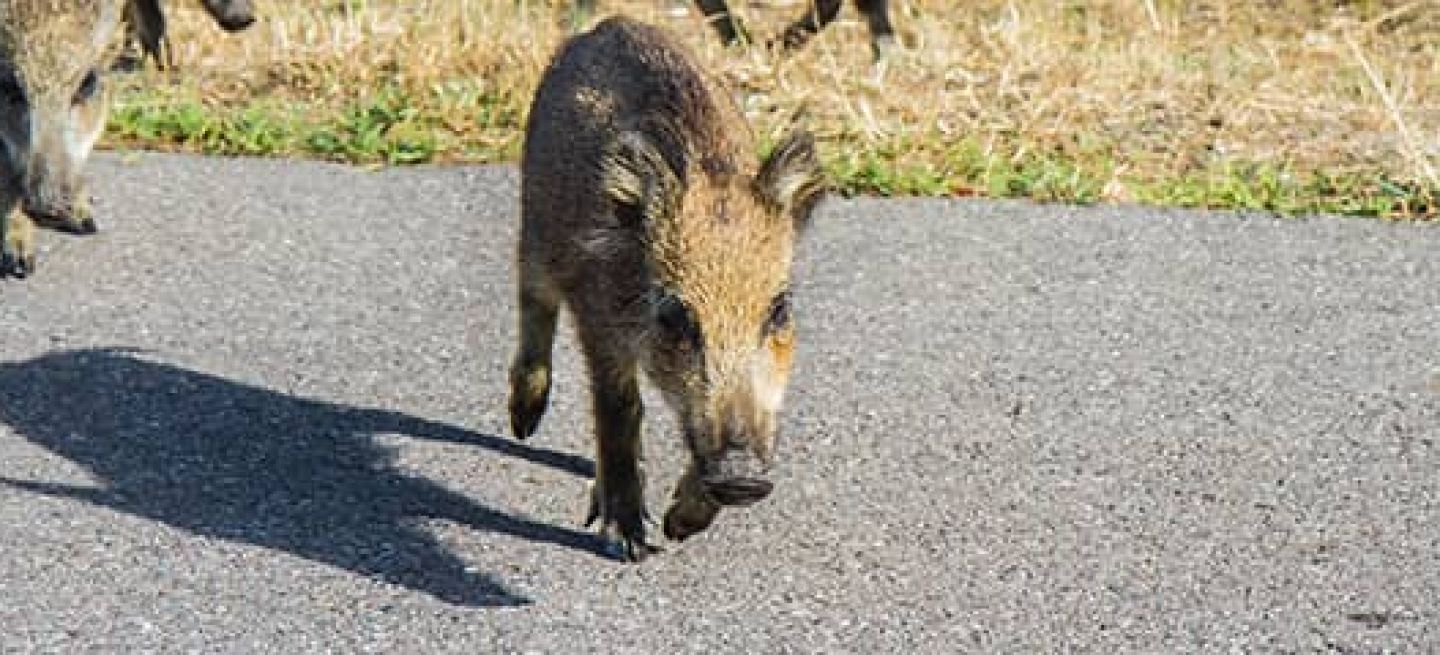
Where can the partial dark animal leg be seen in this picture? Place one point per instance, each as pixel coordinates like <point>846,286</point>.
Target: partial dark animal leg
<point>145,22</point>
<point>799,33</point>
<point>717,13</point>
<point>618,498</point>
<point>530,372</point>
<point>882,34</point>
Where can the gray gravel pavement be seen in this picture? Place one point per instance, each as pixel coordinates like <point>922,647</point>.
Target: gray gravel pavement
<point>263,411</point>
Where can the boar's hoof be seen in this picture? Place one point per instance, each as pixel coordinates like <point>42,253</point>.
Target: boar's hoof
<point>624,531</point>
<point>525,413</point>
<point>17,255</point>
<point>737,491</point>
<point>16,266</point>
<point>529,395</point>
<point>625,543</point>
<point>632,549</point>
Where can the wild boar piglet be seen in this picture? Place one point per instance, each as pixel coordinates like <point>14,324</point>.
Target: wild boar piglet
<point>647,212</point>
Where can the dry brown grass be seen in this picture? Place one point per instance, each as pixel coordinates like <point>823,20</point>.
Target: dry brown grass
<point>1171,101</point>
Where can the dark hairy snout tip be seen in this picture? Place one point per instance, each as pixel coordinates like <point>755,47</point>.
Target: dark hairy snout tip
<point>16,267</point>
<point>62,218</point>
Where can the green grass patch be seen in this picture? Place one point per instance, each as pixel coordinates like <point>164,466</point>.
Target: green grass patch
<point>1279,190</point>
<point>390,127</point>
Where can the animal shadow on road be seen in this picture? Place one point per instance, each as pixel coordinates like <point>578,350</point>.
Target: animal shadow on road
<point>228,460</point>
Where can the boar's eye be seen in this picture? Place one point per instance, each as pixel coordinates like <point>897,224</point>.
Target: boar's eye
<point>88,87</point>
<point>779,314</point>
<point>678,322</point>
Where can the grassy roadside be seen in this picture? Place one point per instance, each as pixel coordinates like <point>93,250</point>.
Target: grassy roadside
<point>1287,105</point>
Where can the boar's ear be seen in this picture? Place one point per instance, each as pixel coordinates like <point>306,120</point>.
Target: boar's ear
<point>637,178</point>
<point>791,179</point>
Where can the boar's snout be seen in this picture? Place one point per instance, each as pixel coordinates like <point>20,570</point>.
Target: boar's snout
<point>57,205</point>
<point>736,477</point>
<point>52,211</point>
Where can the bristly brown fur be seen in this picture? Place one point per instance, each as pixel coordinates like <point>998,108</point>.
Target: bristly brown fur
<point>54,39</point>
<point>647,212</point>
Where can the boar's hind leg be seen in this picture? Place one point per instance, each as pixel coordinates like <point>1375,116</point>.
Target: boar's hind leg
<point>530,373</point>
<point>17,245</point>
<point>618,498</point>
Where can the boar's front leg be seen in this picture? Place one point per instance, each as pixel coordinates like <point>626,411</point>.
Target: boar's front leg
<point>530,373</point>
<point>17,244</point>
<point>617,498</point>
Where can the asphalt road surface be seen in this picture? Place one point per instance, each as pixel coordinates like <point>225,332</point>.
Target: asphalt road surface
<point>263,411</point>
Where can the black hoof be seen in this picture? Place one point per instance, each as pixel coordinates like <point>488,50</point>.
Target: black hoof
<point>525,419</point>
<point>529,396</point>
<point>16,267</point>
<point>632,551</point>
